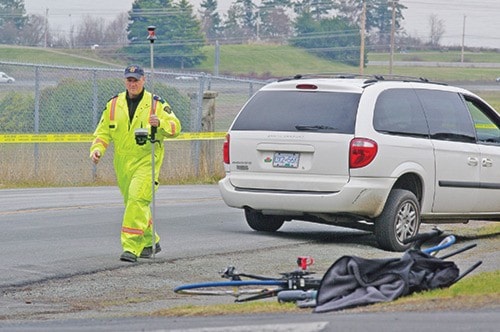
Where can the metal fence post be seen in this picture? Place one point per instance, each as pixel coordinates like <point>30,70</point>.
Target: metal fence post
<point>208,125</point>
<point>95,91</point>
<point>197,125</point>
<point>36,153</point>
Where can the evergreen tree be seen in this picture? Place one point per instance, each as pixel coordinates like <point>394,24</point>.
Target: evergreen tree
<point>317,8</point>
<point>331,38</point>
<point>378,16</point>
<point>179,37</point>
<point>12,20</point>
<point>379,19</point>
<point>233,30</point>
<point>210,20</point>
<point>249,17</point>
<point>189,38</point>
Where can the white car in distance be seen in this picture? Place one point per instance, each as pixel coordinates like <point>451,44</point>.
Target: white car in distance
<point>4,78</point>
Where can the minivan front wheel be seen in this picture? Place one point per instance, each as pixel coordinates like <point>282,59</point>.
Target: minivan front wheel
<point>399,220</point>
<point>263,223</point>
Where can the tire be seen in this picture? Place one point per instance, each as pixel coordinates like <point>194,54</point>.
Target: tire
<point>233,288</point>
<point>399,220</point>
<point>262,223</point>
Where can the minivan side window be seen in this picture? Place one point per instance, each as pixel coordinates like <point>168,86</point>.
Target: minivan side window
<point>447,115</point>
<point>327,112</point>
<point>398,112</point>
<point>486,121</point>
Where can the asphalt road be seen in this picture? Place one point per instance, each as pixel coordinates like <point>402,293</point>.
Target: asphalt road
<point>57,232</point>
<point>68,231</point>
<point>60,269</point>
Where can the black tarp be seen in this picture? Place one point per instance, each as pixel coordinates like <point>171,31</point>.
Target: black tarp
<point>353,281</point>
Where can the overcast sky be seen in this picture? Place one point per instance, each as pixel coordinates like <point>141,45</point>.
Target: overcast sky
<point>482,17</point>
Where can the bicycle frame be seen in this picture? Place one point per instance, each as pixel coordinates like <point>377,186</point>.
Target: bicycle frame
<point>260,287</point>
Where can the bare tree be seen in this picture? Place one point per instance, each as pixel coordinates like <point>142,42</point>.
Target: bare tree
<point>116,31</point>
<point>436,29</point>
<point>96,31</point>
<point>276,24</point>
<point>33,33</point>
<point>90,32</point>
<point>59,39</point>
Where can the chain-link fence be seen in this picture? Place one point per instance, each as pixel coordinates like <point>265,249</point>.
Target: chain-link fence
<point>61,100</point>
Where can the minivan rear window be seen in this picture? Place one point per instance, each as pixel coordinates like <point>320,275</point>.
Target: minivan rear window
<point>299,111</point>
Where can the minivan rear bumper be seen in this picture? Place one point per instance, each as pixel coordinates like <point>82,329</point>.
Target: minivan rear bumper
<point>360,196</point>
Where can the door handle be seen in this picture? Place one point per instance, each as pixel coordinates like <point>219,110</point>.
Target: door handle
<point>472,161</point>
<point>486,162</point>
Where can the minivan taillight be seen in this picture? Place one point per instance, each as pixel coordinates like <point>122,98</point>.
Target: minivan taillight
<point>225,150</point>
<point>362,151</point>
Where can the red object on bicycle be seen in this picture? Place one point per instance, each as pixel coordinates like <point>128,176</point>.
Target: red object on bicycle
<point>304,261</point>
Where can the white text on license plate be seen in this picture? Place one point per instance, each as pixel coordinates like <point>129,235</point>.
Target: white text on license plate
<point>286,159</point>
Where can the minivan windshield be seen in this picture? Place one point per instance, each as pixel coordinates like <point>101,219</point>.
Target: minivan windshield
<point>299,111</point>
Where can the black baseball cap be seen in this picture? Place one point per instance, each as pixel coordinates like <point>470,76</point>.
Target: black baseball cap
<point>134,71</point>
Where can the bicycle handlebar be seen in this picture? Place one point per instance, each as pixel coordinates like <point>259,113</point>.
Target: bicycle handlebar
<point>445,243</point>
<point>296,295</point>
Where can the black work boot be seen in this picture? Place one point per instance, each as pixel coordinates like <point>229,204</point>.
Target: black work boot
<point>147,252</point>
<point>127,256</point>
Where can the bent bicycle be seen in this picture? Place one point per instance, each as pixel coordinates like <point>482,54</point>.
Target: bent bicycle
<point>248,287</point>
<point>300,284</point>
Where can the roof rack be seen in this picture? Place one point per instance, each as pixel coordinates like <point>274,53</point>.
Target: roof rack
<point>369,78</point>
<point>325,75</point>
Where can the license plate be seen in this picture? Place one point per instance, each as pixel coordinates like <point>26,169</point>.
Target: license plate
<point>286,159</point>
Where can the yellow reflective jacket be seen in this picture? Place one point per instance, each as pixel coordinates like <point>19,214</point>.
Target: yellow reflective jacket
<point>115,126</point>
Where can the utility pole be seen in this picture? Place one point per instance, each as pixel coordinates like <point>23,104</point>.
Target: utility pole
<point>463,42</point>
<point>70,32</point>
<point>362,34</point>
<point>217,58</point>
<point>393,29</point>
<point>46,27</point>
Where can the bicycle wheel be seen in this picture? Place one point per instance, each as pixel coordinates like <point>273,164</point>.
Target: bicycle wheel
<point>233,288</point>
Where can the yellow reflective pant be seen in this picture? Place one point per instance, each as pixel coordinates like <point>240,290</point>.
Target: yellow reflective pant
<point>135,185</point>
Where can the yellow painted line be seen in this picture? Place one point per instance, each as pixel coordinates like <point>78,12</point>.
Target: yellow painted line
<point>82,138</point>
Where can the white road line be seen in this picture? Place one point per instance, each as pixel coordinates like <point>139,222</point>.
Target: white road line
<point>299,327</point>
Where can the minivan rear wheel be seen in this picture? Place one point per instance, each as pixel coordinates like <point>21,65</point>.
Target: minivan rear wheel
<point>263,223</point>
<point>399,220</point>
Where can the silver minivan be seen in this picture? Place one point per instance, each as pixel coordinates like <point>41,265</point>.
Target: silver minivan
<point>371,153</point>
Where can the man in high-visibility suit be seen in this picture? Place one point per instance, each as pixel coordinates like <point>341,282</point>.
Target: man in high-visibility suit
<point>124,113</point>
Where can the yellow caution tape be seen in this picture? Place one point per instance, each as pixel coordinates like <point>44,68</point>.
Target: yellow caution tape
<point>83,138</point>
<point>486,126</point>
<point>199,136</point>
